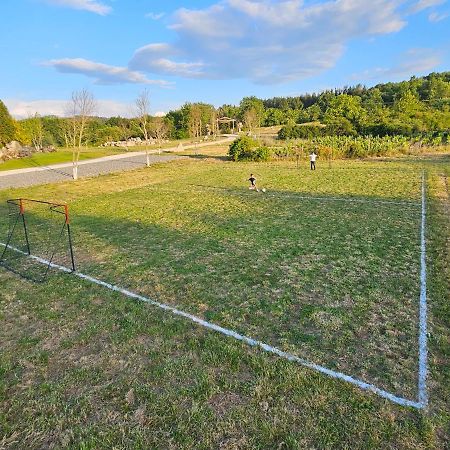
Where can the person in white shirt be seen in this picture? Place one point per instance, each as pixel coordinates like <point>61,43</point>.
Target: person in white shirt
<point>312,160</point>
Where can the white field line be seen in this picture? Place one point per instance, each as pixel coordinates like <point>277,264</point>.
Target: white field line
<point>233,334</point>
<point>306,197</point>
<point>423,351</point>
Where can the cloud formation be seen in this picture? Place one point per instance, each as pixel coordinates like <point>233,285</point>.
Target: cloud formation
<point>437,17</point>
<point>102,73</point>
<point>86,5</point>
<point>414,61</point>
<point>425,4</point>
<point>155,16</point>
<point>21,109</point>
<point>266,41</point>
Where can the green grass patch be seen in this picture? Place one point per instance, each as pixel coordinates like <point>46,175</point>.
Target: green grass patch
<point>325,265</point>
<point>57,157</point>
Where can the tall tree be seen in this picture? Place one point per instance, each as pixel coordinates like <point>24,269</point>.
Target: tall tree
<point>81,107</point>
<point>7,128</point>
<point>159,129</point>
<point>195,120</point>
<point>37,131</point>
<point>142,105</point>
<point>251,112</point>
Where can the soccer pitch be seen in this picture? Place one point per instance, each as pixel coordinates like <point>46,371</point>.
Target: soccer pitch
<point>326,267</point>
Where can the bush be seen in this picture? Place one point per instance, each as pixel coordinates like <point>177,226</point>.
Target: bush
<point>340,126</point>
<point>262,153</point>
<point>300,132</point>
<point>241,147</point>
<point>248,149</point>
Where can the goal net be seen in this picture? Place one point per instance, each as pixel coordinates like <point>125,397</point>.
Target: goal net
<point>35,235</point>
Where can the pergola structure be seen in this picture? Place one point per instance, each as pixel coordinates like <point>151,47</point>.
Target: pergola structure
<point>226,120</point>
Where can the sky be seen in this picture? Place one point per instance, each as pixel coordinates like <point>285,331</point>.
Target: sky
<point>211,51</point>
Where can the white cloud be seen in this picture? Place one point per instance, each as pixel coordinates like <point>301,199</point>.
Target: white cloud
<point>102,73</point>
<point>21,109</point>
<point>425,4</point>
<point>437,17</point>
<point>415,61</point>
<point>86,5</point>
<point>155,16</point>
<point>266,41</point>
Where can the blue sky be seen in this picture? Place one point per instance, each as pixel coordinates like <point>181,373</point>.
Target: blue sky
<point>211,51</point>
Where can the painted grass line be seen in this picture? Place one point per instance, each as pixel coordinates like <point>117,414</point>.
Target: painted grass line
<point>233,334</point>
<point>423,351</point>
<point>306,197</point>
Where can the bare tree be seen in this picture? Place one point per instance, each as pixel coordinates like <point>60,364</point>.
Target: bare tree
<point>142,107</point>
<point>214,124</point>
<point>81,107</point>
<point>159,129</point>
<point>251,119</point>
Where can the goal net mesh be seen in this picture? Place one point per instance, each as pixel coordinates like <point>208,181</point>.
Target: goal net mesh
<point>37,228</point>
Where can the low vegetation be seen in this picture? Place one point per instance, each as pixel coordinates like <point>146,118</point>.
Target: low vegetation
<point>333,147</point>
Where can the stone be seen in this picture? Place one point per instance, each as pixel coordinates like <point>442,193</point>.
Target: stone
<point>14,150</point>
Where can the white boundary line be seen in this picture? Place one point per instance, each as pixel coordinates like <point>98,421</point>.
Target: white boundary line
<point>423,351</point>
<point>305,197</point>
<point>233,334</point>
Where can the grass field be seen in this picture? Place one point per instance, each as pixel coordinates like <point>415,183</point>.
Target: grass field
<point>58,157</point>
<point>325,265</point>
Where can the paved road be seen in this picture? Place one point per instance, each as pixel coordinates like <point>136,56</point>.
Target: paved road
<point>108,164</point>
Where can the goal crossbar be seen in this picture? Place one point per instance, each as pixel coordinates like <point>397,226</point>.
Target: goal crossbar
<point>20,210</point>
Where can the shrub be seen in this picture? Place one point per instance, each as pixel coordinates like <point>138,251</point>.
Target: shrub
<point>247,149</point>
<point>300,132</point>
<point>262,153</point>
<point>241,147</point>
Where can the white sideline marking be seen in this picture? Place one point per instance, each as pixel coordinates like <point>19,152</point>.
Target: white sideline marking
<point>306,197</point>
<point>423,352</point>
<point>240,337</point>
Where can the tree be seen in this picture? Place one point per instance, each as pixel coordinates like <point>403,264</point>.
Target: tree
<point>54,128</point>
<point>159,129</point>
<point>407,103</point>
<point>37,132</point>
<point>228,111</point>
<point>142,105</point>
<point>7,128</point>
<point>275,116</point>
<point>345,114</point>
<point>195,120</point>
<point>81,107</point>
<point>314,113</point>
<point>31,131</point>
<point>251,112</point>
<point>251,119</point>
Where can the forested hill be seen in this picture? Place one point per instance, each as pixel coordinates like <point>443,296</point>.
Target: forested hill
<point>409,108</point>
<point>431,87</point>
<point>420,105</point>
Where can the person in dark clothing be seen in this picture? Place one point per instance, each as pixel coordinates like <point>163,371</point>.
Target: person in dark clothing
<point>252,180</point>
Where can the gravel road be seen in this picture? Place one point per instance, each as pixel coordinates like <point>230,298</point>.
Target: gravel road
<point>52,174</point>
<point>108,164</point>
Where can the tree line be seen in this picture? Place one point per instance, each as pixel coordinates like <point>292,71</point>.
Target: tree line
<point>408,108</point>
